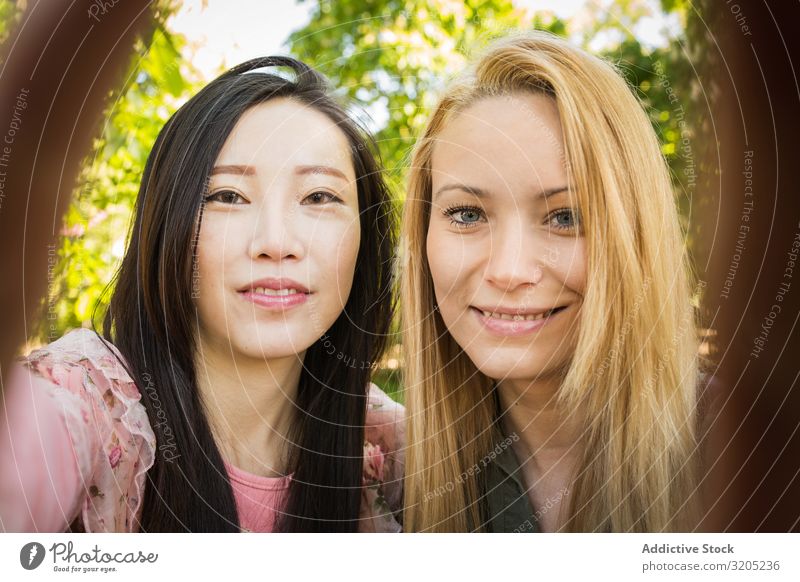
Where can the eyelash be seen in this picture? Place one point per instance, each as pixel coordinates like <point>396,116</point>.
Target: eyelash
<point>215,197</point>
<point>453,210</point>
<point>331,197</point>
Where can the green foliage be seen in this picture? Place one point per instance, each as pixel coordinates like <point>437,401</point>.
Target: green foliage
<point>391,382</point>
<point>10,13</point>
<point>675,6</point>
<point>96,224</point>
<point>391,57</point>
<point>659,78</point>
<point>668,82</point>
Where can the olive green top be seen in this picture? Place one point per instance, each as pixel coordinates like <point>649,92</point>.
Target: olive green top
<point>506,506</point>
<point>506,503</point>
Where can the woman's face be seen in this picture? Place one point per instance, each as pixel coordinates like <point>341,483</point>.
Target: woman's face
<point>504,245</point>
<point>279,234</point>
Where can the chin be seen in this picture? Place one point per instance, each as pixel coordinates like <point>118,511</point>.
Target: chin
<point>272,344</point>
<point>512,366</point>
<point>270,351</point>
<point>505,373</point>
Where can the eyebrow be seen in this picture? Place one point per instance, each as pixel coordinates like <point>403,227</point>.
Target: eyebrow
<point>299,170</point>
<point>481,193</point>
<point>234,169</point>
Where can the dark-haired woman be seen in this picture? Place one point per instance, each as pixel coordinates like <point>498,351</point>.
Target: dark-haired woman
<point>230,388</point>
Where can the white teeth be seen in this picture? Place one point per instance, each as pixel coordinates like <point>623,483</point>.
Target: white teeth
<point>274,292</point>
<point>518,317</point>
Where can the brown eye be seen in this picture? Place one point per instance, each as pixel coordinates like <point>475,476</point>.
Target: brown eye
<point>225,197</point>
<point>320,197</point>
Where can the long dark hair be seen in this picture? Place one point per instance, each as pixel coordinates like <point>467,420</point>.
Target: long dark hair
<point>151,314</point>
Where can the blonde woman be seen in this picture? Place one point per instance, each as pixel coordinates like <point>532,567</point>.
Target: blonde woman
<point>552,371</point>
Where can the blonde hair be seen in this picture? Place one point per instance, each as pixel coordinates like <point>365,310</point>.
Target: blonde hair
<point>635,367</point>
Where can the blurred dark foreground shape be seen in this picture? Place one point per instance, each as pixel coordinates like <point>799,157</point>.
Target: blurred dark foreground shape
<point>754,268</point>
<point>59,66</point>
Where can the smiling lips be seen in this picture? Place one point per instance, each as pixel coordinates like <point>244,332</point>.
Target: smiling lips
<point>515,322</point>
<point>275,294</point>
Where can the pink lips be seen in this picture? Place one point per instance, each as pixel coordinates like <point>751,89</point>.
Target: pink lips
<point>275,294</point>
<point>512,328</point>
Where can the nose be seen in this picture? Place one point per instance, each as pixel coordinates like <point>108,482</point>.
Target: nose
<point>513,259</point>
<point>275,233</point>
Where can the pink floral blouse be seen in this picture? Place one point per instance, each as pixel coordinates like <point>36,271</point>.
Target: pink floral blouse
<point>76,409</point>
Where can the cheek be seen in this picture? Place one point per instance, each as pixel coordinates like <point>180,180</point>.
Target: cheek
<point>216,259</point>
<point>570,264</point>
<point>209,279</point>
<point>457,263</point>
<point>446,259</point>
<point>345,239</point>
<point>209,256</point>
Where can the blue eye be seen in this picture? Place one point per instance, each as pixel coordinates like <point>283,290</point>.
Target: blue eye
<point>464,216</point>
<point>563,219</point>
<point>225,197</point>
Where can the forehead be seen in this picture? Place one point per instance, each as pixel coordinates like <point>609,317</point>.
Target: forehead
<point>284,132</point>
<point>512,139</point>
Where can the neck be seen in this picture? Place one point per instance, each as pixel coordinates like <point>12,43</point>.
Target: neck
<point>250,406</point>
<point>547,433</point>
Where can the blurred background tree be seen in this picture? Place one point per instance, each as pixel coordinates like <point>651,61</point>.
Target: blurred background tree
<point>10,13</point>
<point>96,226</point>
<point>389,59</point>
<point>392,57</point>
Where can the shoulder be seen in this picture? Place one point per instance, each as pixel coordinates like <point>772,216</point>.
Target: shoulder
<point>108,425</point>
<point>384,462</point>
<point>385,421</point>
<point>82,349</point>
<point>380,404</point>
<point>83,365</point>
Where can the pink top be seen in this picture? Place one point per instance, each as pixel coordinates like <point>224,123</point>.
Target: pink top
<point>257,498</point>
<point>76,444</point>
